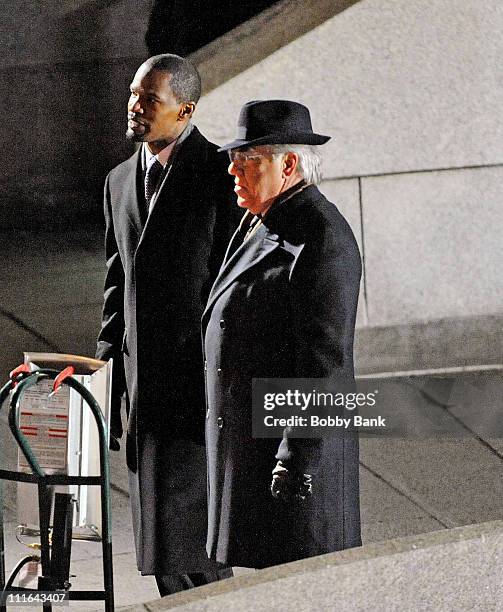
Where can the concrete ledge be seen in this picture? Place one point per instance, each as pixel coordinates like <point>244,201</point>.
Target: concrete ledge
<point>254,40</point>
<point>456,569</point>
<point>433,344</point>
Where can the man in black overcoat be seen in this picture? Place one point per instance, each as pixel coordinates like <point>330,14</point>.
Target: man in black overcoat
<point>168,220</point>
<point>283,306</point>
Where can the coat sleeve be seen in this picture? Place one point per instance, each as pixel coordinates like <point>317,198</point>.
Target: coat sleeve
<point>324,288</point>
<point>112,322</point>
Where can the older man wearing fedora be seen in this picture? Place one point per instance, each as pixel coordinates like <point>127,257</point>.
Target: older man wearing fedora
<point>283,306</point>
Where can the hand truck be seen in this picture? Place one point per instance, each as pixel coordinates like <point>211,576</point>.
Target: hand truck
<point>55,557</point>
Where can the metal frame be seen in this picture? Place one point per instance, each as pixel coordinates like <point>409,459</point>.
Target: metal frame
<point>20,382</point>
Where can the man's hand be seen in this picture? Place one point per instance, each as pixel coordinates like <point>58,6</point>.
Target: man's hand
<point>288,484</point>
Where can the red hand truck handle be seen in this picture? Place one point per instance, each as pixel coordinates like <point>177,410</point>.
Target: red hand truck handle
<point>58,381</point>
<point>24,367</point>
<point>15,377</point>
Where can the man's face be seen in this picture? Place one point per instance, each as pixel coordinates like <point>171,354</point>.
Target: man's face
<point>154,116</point>
<point>258,177</point>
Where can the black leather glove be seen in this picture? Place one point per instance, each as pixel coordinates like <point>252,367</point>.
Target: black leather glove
<point>288,484</point>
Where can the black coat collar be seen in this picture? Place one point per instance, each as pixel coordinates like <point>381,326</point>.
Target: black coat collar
<point>285,217</point>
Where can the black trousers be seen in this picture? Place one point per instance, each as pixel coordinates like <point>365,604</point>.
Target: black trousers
<point>173,583</point>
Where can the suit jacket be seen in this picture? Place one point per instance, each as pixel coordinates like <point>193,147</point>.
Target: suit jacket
<point>159,272</point>
<point>283,306</point>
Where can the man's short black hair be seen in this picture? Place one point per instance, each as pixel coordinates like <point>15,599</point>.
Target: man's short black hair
<point>185,80</point>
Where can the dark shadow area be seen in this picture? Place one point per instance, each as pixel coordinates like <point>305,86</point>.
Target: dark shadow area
<point>94,95</point>
<point>65,127</point>
<point>182,27</point>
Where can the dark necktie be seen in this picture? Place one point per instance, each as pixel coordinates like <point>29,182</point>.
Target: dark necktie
<point>151,180</point>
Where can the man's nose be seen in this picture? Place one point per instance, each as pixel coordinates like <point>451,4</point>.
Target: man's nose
<point>232,169</point>
<point>135,104</point>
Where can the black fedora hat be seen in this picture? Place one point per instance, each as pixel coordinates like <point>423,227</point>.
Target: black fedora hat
<point>263,122</point>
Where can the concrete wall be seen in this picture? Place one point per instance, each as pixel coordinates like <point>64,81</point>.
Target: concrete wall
<point>401,86</point>
<point>411,94</point>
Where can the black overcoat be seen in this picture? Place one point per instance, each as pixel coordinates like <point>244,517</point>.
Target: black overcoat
<point>158,277</point>
<point>283,306</point>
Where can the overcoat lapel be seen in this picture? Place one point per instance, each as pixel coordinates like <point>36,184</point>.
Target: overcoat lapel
<point>262,243</point>
<point>249,254</point>
<point>237,237</point>
<point>132,196</point>
<point>180,165</point>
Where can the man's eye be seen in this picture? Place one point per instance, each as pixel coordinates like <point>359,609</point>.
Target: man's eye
<point>151,99</point>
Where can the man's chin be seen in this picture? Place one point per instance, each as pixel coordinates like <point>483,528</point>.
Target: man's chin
<point>246,203</point>
<point>134,136</point>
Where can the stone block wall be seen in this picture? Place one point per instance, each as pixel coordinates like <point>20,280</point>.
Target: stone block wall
<point>411,94</point>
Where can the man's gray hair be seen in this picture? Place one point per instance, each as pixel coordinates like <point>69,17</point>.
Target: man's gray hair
<point>309,160</point>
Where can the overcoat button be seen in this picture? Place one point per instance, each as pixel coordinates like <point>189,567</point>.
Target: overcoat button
<point>222,324</point>
<point>219,371</point>
<point>220,422</point>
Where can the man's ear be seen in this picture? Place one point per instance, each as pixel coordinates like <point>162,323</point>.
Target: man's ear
<point>290,164</point>
<point>186,111</point>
